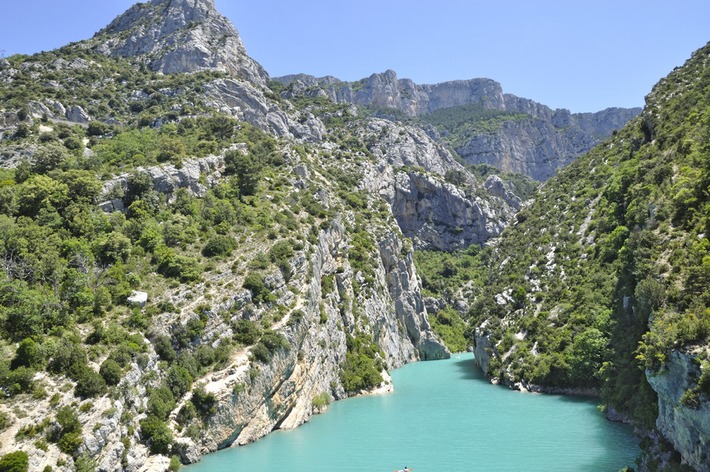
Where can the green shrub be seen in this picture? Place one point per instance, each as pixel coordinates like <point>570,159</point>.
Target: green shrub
<point>261,353</point>
<point>246,332</point>
<point>321,400</point>
<point>68,436</point>
<point>161,402</point>
<point>5,421</point>
<point>362,368</point>
<point>205,355</point>
<point>157,434</point>
<point>179,380</point>
<point>174,464</point>
<point>28,354</point>
<point>17,381</point>
<point>186,414</point>
<point>219,246</point>
<point>89,384</point>
<point>111,372</point>
<point>205,403</point>
<point>70,442</point>
<point>164,348</point>
<point>259,292</point>
<point>17,461</point>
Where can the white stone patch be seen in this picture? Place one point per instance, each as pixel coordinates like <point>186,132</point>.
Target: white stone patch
<point>138,298</point>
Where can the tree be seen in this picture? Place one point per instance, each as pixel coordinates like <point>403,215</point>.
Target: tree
<point>587,356</point>
<point>164,348</point>
<point>89,384</point>
<point>218,246</point>
<point>48,158</point>
<point>112,248</point>
<point>28,354</point>
<point>247,169</point>
<point>40,191</point>
<point>205,403</point>
<point>68,434</point>
<point>111,372</point>
<point>157,434</point>
<point>179,380</point>
<point>139,183</point>
<point>161,402</point>
<point>97,128</point>
<point>83,185</point>
<point>17,461</point>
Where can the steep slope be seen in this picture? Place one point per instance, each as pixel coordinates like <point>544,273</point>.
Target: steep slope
<point>176,280</point>
<point>603,284</point>
<point>475,117</point>
<point>174,36</point>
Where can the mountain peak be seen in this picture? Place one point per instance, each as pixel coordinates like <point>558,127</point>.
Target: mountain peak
<point>174,36</point>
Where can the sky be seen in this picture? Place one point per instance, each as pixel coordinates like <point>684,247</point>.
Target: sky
<point>584,55</point>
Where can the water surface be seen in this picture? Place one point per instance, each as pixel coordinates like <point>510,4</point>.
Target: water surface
<point>443,416</point>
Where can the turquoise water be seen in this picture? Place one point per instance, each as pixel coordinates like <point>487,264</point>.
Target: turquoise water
<point>443,416</point>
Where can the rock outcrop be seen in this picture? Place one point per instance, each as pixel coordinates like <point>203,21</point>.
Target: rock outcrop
<point>434,212</point>
<point>174,36</point>
<point>254,400</point>
<point>527,137</point>
<point>685,426</point>
<point>385,90</point>
<point>543,141</point>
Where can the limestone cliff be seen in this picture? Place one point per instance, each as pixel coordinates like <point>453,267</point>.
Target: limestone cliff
<point>386,91</point>
<point>686,426</point>
<point>435,211</point>
<point>174,36</point>
<point>541,141</point>
<point>525,137</point>
<point>281,395</point>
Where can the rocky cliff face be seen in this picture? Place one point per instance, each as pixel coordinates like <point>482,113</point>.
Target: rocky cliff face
<point>385,90</point>
<point>686,427</point>
<point>435,212</point>
<point>542,142</point>
<point>174,36</point>
<point>280,395</point>
<point>527,138</point>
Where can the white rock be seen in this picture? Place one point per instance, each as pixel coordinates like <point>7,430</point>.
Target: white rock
<point>138,298</point>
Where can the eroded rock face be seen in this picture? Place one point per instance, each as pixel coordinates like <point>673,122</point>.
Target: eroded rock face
<point>686,427</point>
<point>247,102</point>
<point>385,90</point>
<point>175,36</point>
<point>544,141</point>
<point>279,395</point>
<point>534,140</point>
<point>195,175</point>
<point>411,175</point>
<point>439,215</point>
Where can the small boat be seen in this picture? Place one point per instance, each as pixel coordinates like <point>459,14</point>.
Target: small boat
<point>406,469</point>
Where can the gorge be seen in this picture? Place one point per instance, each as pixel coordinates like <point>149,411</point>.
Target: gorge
<point>292,240</point>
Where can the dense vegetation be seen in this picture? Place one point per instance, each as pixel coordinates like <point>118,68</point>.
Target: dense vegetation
<point>69,267</point>
<point>457,124</point>
<point>587,298</point>
<point>616,240</point>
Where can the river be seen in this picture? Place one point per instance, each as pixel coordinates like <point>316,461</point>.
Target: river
<point>442,416</point>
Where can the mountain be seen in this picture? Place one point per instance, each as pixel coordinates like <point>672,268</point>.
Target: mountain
<point>190,260</point>
<point>174,36</point>
<point>195,255</point>
<point>602,286</point>
<point>475,117</point>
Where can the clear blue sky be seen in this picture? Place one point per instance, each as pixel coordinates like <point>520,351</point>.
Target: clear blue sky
<point>579,54</point>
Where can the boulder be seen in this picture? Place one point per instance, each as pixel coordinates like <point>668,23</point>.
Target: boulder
<point>138,298</point>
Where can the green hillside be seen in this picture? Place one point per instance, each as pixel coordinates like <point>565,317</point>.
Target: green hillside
<point>608,270</point>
